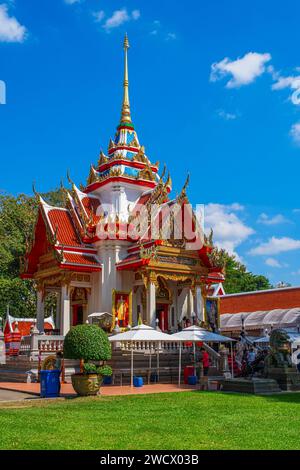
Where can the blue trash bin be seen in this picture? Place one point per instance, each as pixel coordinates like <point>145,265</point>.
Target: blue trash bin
<point>138,381</point>
<point>50,383</point>
<point>192,380</point>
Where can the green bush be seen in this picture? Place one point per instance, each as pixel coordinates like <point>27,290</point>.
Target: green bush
<point>105,371</point>
<point>89,368</point>
<point>87,342</point>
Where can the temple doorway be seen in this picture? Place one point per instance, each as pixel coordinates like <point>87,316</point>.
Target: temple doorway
<point>79,305</point>
<point>163,302</point>
<point>162,314</point>
<point>77,315</point>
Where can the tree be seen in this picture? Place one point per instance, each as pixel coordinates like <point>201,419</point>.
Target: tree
<point>237,278</point>
<point>17,218</point>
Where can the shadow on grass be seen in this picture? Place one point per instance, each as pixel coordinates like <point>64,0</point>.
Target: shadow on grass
<point>283,397</point>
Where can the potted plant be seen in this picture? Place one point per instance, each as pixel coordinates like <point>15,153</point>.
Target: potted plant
<point>88,343</point>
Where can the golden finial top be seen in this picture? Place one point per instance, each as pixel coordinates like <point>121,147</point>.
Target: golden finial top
<point>125,114</point>
<point>126,42</point>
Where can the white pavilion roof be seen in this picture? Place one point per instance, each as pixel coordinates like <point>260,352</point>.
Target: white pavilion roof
<point>280,318</point>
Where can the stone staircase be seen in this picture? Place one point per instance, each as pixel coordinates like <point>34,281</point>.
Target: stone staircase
<point>168,366</point>
<point>22,369</point>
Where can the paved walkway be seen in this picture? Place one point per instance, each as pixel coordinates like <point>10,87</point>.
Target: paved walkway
<point>8,395</point>
<point>67,389</point>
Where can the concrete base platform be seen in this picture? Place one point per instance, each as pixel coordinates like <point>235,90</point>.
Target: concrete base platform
<point>288,378</point>
<point>255,386</point>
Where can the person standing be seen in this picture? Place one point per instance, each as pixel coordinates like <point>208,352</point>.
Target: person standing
<point>205,361</point>
<point>251,356</point>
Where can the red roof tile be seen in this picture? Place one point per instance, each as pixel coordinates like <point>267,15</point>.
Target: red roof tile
<point>81,259</point>
<point>91,205</point>
<point>62,221</point>
<point>24,326</point>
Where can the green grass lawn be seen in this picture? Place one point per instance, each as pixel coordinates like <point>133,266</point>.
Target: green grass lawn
<point>186,420</point>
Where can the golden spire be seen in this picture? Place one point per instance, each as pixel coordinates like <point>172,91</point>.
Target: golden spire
<point>125,115</point>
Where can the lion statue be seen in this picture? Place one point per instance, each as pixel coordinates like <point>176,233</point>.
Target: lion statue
<point>279,354</point>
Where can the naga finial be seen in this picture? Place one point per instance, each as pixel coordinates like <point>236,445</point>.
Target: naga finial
<point>34,189</point>
<point>187,181</point>
<point>163,172</point>
<point>69,178</point>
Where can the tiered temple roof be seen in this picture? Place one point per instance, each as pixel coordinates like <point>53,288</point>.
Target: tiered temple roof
<point>69,234</point>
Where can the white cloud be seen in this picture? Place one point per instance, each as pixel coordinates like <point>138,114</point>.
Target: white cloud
<point>229,230</point>
<point>71,2</point>
<point>286,82</point>
<point>275,246</point>
<point>295,133</point>
<point>275,220</point>
<point>171,37</point>
<point>98,15</point>
<point>291,82</point>
<point>274,263</point>
<point>136,14</point>
<point>10,28</point>
<point>226,116</point>
<point>243,71</point>
<point>120,17</point>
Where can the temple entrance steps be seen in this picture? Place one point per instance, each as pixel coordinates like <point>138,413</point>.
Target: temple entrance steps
<point>168,366</point>
<point>236,369</point>
<point>22,369</point>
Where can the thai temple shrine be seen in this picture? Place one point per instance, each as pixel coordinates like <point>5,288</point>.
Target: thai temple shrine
<point>92,256</point>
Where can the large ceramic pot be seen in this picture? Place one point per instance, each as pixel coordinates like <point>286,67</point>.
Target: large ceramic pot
<point>86,384</point>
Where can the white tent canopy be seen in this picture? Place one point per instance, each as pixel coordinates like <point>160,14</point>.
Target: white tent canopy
<point>141,333</point>
<point>293,338</point>
<point>196,334</point>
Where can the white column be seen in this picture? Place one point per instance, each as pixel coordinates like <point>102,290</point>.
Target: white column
<point>191,303</point>
<point>57,315</point>
<point>151,305</point>
<point>199,304</point>
<point>65,313</point>
<point>40,312</point>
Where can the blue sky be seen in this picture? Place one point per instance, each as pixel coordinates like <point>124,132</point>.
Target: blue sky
<point>214,92</point>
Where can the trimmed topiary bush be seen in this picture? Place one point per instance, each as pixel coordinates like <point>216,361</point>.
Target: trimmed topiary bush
<point>104,371</point>
<point>88,343</point>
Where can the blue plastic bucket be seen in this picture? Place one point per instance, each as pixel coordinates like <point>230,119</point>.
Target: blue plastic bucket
<point>138,381</point>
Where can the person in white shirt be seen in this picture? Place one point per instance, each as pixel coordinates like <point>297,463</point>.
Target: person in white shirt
<point>251,356</point>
